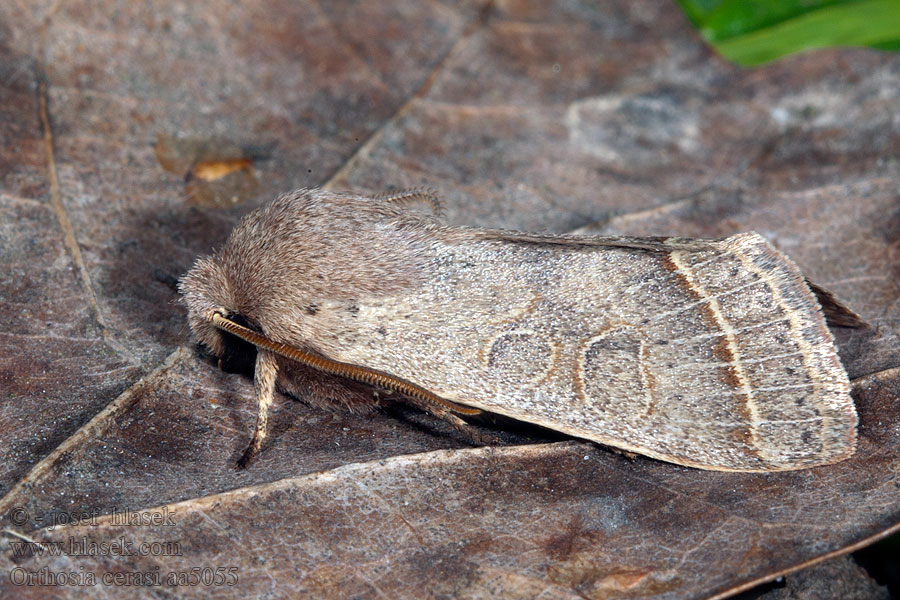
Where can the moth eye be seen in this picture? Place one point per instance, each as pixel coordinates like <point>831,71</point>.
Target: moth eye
<point>239,355</point>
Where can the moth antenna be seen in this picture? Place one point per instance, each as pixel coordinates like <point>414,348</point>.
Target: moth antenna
<point>333,367</point>
<point>414,195</point>
<point>265,374</point>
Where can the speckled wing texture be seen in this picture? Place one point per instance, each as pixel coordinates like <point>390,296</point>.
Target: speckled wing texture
<point>711,354</point>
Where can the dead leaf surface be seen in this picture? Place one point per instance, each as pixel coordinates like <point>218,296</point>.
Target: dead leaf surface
<point>606,115</point>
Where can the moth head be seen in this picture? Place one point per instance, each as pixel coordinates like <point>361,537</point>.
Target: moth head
<point>206,291</point>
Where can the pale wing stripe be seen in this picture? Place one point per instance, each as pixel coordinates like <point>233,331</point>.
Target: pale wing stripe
<point>797,326</point>
<point>691,305</point>
<point>703,336</point>
<point>773,388</point>
<point>655,281</point>
<point>731,340</point>
<point>728,363</point>
<point>703,263</point>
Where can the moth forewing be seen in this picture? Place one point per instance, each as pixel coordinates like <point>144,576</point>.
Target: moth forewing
<point>712,354</point>
<point>716,359</point>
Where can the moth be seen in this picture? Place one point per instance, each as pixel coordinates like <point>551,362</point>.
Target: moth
<point>713,354</point>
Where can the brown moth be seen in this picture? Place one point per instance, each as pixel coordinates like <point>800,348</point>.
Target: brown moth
<point>708,353</point>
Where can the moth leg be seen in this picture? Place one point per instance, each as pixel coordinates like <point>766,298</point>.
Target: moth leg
<point>414,195</point>
<point>472,434</point>
<point>629,455</point>
<point>264,380</point>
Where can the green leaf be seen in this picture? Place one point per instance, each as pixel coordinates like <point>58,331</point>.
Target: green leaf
<point>754,32</point>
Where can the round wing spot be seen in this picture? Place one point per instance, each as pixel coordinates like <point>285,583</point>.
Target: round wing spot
<point>523,355</point>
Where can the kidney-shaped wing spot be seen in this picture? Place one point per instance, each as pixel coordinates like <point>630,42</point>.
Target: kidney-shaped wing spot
<point>611,373</point>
